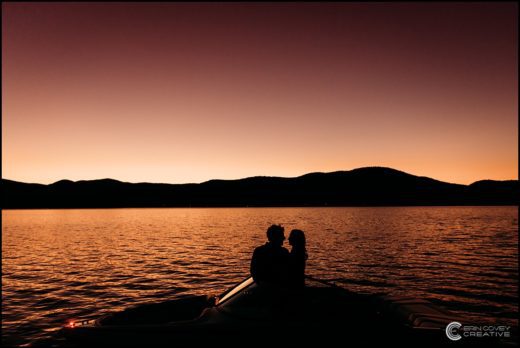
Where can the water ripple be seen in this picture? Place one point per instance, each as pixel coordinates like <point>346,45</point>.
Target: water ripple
<point>61,264</point>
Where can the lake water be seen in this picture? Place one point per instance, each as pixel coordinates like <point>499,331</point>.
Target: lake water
<point>62,264</point>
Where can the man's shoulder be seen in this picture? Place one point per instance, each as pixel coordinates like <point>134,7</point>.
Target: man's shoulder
<point>266,248</point>
<point>261,248</point>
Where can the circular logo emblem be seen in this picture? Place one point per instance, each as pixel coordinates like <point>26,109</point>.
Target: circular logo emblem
<point>450,331</point>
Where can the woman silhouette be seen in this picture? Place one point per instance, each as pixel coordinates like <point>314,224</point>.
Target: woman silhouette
<point>297,258</point>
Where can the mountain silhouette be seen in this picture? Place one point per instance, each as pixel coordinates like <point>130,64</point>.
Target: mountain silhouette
<point>371,186</point>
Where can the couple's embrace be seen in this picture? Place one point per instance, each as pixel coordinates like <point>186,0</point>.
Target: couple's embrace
<point>274,264</point>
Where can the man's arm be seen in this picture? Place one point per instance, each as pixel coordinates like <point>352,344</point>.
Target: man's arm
<point>254,265</point>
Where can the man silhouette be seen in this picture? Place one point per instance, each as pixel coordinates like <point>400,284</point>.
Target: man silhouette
<point>270,261</point>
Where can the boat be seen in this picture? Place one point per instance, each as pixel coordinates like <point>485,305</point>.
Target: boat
<point>253,315</point>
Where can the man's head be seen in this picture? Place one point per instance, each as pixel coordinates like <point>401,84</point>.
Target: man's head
<point>275,234</point>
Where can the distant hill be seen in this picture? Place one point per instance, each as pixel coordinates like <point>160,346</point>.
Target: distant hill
<point>371,186</point>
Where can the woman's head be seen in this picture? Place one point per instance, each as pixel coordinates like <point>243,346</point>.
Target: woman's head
<point>297,238</point>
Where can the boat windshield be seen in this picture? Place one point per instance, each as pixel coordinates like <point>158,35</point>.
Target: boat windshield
<point>227,295</point>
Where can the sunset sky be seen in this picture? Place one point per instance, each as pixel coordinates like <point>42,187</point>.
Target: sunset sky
<point>178,93</point>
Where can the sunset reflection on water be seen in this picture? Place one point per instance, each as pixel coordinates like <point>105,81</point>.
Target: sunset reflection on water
<point>63,264</point>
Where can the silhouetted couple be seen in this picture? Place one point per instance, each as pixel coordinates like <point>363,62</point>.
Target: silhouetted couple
<point>274,264</point>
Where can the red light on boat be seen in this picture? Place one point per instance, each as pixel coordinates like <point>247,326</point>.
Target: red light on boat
<point>71,324</point>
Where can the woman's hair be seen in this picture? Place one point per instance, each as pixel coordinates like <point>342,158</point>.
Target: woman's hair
<point>297,238</point>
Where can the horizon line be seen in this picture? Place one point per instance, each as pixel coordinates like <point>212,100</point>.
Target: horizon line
<point>256,176</point>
